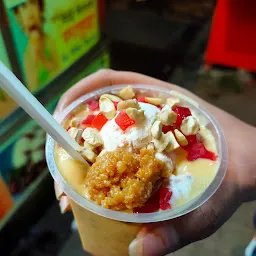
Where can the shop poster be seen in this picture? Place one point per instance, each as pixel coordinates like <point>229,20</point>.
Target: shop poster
<point>22,156</point>
<point>50,35</point>
<point>7,105</point>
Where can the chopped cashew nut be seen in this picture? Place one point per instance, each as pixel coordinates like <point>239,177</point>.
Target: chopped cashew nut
<point>112,97</point>
<point>154,101</point>
<point>107,107</point>
<point>173,144</point>
<point>181,138</point>
<point>75,121</point>
<point>75,133</point>
<point>88,146</point>
<point>136,115</point>
<point>161,144</point>
<point>156,130</point>
<point>128,104</point>
<point>92,136</point>
<point>127,93</point>
<point>171,102</point>
<point>167,117</point>
<point>88,155</point>
<point>189,126</point>
<point>151,146</point>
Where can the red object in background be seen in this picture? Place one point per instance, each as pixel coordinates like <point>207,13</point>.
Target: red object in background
<point>233,39</point>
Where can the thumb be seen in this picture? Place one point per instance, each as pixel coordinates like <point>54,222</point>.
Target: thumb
<point>169,236</point>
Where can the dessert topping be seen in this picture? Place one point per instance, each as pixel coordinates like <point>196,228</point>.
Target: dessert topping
<point>180,138</point>
<point>92,136</point>
<point>128,104</point>
<point>127,93</point>
<point>107,107</point>
<point>154,101</point>
<point>156,130</point>
<point>123,120</point>
<point>189,126</point>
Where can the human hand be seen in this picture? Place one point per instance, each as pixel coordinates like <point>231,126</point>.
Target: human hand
<point>238,186</point>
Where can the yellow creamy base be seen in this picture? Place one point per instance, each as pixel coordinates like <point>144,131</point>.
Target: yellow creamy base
<point>202,170</point>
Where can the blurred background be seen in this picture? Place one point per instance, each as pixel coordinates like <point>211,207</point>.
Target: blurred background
<point>205,46</point>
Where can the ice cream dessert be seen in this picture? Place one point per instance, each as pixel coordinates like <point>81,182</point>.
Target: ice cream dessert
<point>146,154</point>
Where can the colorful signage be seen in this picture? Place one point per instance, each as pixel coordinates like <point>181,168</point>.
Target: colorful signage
<point>49,36</point>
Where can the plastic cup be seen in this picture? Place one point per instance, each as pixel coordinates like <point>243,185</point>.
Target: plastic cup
<point>107,232</point>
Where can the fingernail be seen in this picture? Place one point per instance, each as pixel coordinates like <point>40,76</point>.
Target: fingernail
<point>159,241</point>
<point>136,247</point>
<point>64,204</point>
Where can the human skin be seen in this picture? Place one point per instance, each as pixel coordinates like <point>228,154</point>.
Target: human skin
<point>238,186</point>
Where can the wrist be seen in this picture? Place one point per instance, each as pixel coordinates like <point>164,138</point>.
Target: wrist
<point>247,172</point>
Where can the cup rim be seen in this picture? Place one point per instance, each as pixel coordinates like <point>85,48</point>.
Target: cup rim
<point>140,217</point>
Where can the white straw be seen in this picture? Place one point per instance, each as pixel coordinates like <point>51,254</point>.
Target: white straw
<point>12,85</point>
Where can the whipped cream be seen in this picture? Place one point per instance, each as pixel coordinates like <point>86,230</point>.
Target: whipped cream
<point>180,186</point>
<point>137,136</point>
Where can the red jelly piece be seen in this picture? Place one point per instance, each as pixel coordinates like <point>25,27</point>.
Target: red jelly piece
<point>82,140</point>
<point>88,119</point>
<point>93,105</point>
<point>182,113</point>
<point>152,205</point>
<point>198,150</point>
<point>99,121</point>
<point>166,129</point>
<point>191,139</point>
<point>165,197</point>
<point>141,99</point>
<point>68,128</point>
<point>123,120</point>
<point>115,103</point>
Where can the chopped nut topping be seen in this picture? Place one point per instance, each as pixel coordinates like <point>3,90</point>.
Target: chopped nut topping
<point>136,115</point>
<point>154,101</point>
<point>112,97</point>
<point>88,146</point>
<point>88,155</point>
<point>75,121</point>
<point>150,146</point>
<point>181,138</point>
<point>92,136</point>
<point>162,143</point>
<point>127,93</point>
<point>171,102</point>
<point>75,133</point>
<point>173,144</point>
<point>107,107</point>
<point>189,126</point>
<point>156,130</point>
<point>167,117</point>
<point>128,104</point>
